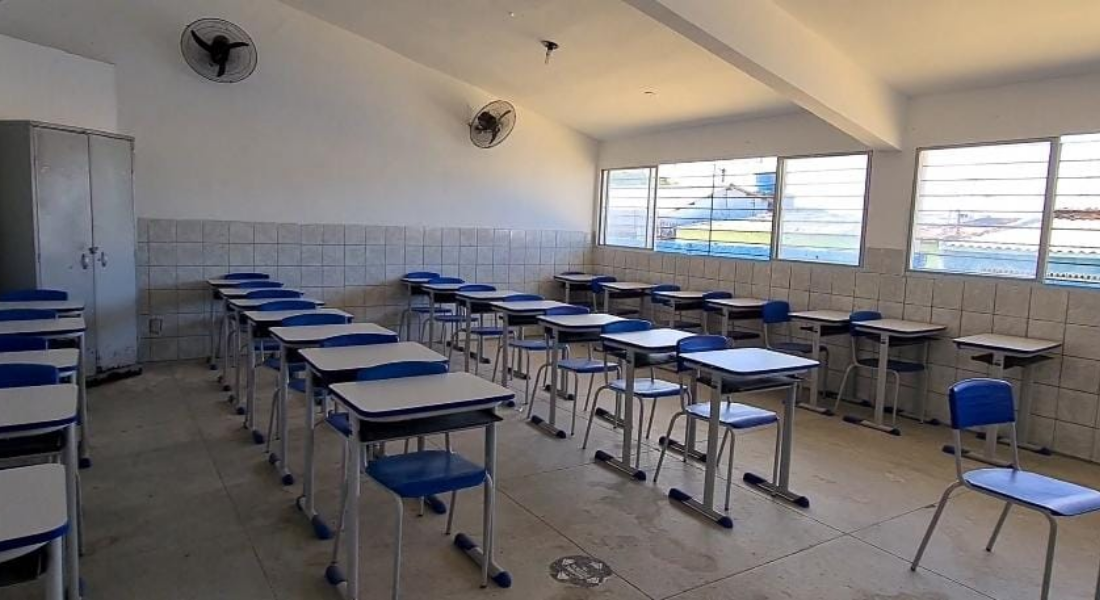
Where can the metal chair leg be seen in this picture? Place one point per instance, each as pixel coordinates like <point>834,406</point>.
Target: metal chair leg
<point>932,525</point>
<point>664,447</point>
<point>843,386</point>
<point>592,416</point>
<point>997,528</point>
<point>1048,566</point>
<point>451,512</point>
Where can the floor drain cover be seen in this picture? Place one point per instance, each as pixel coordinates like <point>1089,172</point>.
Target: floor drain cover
<point>581,571</point>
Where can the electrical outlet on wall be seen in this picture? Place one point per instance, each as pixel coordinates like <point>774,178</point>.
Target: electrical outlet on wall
<point>156,324</point>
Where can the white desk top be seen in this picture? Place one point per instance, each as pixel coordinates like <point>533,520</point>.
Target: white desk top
<point>43,327</point>
<point>32,505</point>
<point>416,397</point>
<point>61,306</point>
<point>486,296</point>
<point>749,362</point>
<point>353,358</point>
<point>834,317</point>
<point>578,323</point>
<point>898,327</point>
<point>62,358</point>
<point>575,277</point>
<point>37,407</point>
<point>737,303</point>
<point>274,316</point>
<point>527,307</point>
<point>315,334</point>
<point>628,286</point>
<point>415,280</point>
<point>252,303</point>
<point>680,295</point>
<point>1004,343</point>
<point>652,340</point>
<point>219,282</point>
<point>443,287</point>
<point>230,293</point>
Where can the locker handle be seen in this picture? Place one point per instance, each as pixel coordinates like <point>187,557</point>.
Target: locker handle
<point>84,263</point>
<point>102,258</point>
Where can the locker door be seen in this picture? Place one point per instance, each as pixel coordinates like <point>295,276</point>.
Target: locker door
<point>113,234</point>
<point>63,217</point>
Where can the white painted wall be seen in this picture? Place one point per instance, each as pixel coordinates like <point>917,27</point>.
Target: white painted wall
<point>331,127</point>
<point>45,84</point>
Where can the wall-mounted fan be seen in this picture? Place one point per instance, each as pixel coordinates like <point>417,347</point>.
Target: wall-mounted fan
<point>492,124</point>
<point>218,50</point>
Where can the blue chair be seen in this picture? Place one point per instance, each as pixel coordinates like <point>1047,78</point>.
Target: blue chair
<point>263,293</point>
<point>35,295</point>
<point>245,275</point>
<point>521,347</point>
<point>258,285</point>
<point>289,305</point>
<point>14,375</point>
<point>493,330</point>
<point>645,388</point>
<point>22,343</point>
<point>734,417</point>
<point>417,310</point>
<point>708,310</point>
<point>453,320</point>
<point>359,339</point>
<point>778,312</point>
<point>981,402</point>
<point>869,362</point>
<point>27,314</point>
<point>423,311</point>
<point>596,287</point>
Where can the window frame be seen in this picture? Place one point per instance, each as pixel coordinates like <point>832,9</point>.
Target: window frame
<point>650,207</point>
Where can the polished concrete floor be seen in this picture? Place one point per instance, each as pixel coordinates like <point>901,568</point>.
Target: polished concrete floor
<point>181,505</point>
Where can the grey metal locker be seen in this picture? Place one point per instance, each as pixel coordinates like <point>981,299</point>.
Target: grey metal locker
<point>67,222</point>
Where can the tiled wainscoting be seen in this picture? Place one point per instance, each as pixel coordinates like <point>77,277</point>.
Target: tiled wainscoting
<point>1065,392</point>
<point>353,267</point>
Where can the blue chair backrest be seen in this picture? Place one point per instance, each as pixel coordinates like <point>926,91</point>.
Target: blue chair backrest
<point>314,319</point>
<point>26,314</point>
<point>664,287</point>
<point>477,287</point>
<point>699,343</point>
<point>717,295</point>
<point>980,401</point>
<point>288,305</point>
<point>273,293</point>
<point>238,276</point>
<point>775,311</point>
<point>421,275</point>
<point>27,375</point>
<point>33,295</point>
<point>359,339</point>
<point>626,326</point>
<point>568,310</point>
<point>22,343</point>
<point>445,280</point>
<point>597,283</point>
<point>399,370</point>
<point>522,298</point>
<point>572,273</point>
<point>257,285</point>
<point>862,315</point>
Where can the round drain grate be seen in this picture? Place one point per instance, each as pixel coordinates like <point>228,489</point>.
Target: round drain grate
<point>580,571</point>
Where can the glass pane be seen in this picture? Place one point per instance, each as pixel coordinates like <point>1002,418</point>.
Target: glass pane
<point>822,208</point>
<point>1074,255</point>
<point>722,208</point>
<point>626,207</point>
<point>980,209</point>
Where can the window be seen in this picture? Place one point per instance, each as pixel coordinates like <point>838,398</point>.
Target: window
<point>1074,253</point>
<point>980,209</point>
<point>717,208</point>
<point>821,208</point>
<point>627,207</point>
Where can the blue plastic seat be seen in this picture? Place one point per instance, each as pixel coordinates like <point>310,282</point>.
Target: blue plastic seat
<point>648,388</point>
<point>737,416</point>
<point>22,343</point>
<point>426,473</point>
<point>272,293</point>
<point>983,402</point>
<point>587,366</point>
<point>260,284</point>
<point>275,305</point>
<point>14,375</point>
<point>26,314</point>
<point>359,339</point>
<point>35,295</point>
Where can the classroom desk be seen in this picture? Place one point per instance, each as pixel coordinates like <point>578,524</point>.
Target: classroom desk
<point>1007,351</point>
<point>561,330</point>
<point>398,409</point>
<point>746,364</point>
<point>625,290</point>
<point>438,293</point>
<point>412,288</point>
<point>63,308</point>
<point>65,360</point>
<point>568,281</point>
<point>216,284</point>
<point>257,322</point>
<point>234,304</point>
<point>33,512</point>
<point>477,302</point>
<point>63,328</point>
<point>652,341</point>
<point>329,366</point>
<point>519,314</point>
<point>39,410</point>
<point>886,329</point>
<point>680,301</point>
<point>732,308</point>
<point>819,322</point>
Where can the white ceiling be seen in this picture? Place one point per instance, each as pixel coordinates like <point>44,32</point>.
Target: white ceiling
<point>610,55</point>
<point>922,46</point>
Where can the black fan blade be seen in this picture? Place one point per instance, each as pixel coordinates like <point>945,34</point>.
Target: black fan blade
<point>238,45</point>
<point>198,40</point>
<point>506,113</point>
<point>221,69</point>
